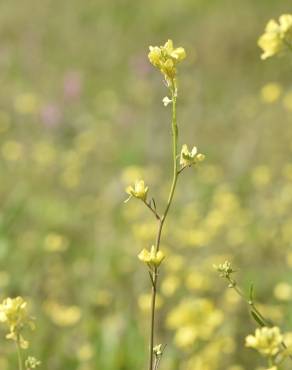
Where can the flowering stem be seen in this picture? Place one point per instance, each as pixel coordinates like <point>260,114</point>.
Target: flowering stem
<point>154,276</point>
<point>259,318</point>
<point>20,362</point>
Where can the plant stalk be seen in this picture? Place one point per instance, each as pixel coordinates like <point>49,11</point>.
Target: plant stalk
<point>161,220</point>
<point>19,356</point>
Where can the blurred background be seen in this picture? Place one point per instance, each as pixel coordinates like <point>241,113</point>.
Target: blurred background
<point>81,117</point>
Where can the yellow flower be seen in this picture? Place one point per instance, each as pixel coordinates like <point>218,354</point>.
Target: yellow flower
<point>13,312</point>
<point>152,258</point>
<point>188,158</point>
<point>61,315</point>
<point>155,55</point>
<point>26,103</point>
<point>285,21</point>
<point>277,36</point>
<point>165,58</point>
<point>271,92</point>
<point>31,363</point>
<point>266,340</point>
<point>139,190</point>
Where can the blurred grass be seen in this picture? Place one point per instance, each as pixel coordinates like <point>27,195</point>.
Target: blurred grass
<point>80,116</point>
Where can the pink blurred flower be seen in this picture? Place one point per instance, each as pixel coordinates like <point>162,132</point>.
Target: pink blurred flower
<point>51,115</point>
<point>72,85</point>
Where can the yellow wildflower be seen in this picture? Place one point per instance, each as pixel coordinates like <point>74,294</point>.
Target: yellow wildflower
<point>139,190</point>
<point>266,340</point>
<point>32,363</point>
<point>165,58</point>
<point>277,36</point>
<point>271,92</point>
<point>188,158</point>
<point>13,312</point>
<point>153,257</point>
<point>26,103</point>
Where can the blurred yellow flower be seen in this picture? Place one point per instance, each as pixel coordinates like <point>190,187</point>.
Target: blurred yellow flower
<point>85,352</point>
<point>271,92</point>
<point>44,153</point>
<point>192,319</point>
<point>55,242</point>
<point>266,340</point>
<point>287,101</point>
<point>283,291</point>
<point>12,150</point>
<point>175,263</point>
<point>144,302</point>
<point>277,36</point>
<point>26,103</point>
<point>70,178</point>
<point>261,176</point>
<point>185,336</point>
<point>62,315</point>
<point>170,285</point>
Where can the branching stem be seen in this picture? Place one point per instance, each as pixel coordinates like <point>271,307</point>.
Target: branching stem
<point>161,220</point>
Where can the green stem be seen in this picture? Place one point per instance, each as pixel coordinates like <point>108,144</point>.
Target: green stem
<point>161,220</point>
<point>20,362</point>
<point>254,308</point>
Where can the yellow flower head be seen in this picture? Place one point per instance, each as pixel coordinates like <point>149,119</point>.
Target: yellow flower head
<point>165,58</point>
<point>139,190</point>
<point>32,363</point>
<point>13,312</point>
<point>151,257</point>
<point>188,158</point>
<point>277,36</point>
<point>266,340</point>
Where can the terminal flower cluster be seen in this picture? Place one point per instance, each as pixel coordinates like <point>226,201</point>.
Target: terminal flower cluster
<point>13,313</point>
<point>277,37</point>
<point>166,58</point>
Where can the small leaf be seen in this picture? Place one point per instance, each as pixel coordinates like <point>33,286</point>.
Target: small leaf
<point>257,318</point>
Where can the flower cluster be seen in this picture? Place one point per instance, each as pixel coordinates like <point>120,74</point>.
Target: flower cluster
<point>277,37</point>
<point>189,158</point>
<point>139,191</point>
<point>13,312</point>
<point>224,269</point>
<point>266,341</point>
<point>152,258</point>
<point>32,363</point>
<point>165,58</point>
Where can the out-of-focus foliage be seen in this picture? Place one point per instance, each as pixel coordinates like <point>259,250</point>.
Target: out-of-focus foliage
<point>80,117</point>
